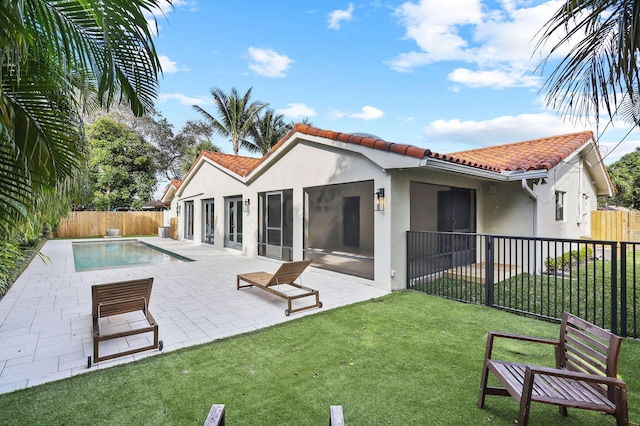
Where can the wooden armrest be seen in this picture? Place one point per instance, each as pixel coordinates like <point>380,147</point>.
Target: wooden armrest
<point>493,334</point>
<point>524,338</point>
<point>568,374</point>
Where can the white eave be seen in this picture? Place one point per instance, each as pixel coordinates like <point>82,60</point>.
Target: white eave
<point>505,176</point>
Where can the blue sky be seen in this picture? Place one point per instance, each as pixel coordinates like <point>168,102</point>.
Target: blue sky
<point>447,75</point>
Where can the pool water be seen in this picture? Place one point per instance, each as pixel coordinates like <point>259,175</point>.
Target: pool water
<point>90,256</point>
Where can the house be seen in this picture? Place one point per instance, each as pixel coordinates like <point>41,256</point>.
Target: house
<point>346,200</point>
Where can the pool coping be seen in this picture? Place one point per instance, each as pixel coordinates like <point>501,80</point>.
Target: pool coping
<point>45,318</point>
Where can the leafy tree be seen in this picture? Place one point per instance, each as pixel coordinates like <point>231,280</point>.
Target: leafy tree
<point>193,152</point>
<point>236,115</point>
<point>57,58</point>
<point>600,72</point>
<point>625,175</point>
<point>267,131</point>
<point>121,167</point>
<point>169,148</point>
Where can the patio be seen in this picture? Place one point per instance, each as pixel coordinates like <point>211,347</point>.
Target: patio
<point>45,318</point>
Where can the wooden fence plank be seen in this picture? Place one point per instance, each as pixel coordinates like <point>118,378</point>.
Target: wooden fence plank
<point>95,224</point>
<point>615,226</point>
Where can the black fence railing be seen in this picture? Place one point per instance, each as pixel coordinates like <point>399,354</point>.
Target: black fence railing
<point>541,277</point>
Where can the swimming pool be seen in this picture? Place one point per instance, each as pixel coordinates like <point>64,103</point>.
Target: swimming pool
<point>90,256</point>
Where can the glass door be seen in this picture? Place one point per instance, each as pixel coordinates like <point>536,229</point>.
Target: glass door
<point>207,221</point>
<point>233,237</point>
<point>274,224</point>
<point>188,220</point>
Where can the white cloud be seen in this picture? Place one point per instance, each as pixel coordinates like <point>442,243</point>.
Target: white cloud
<point>296,111</point>
<point>497,79</point>
<point>168,66</point>
<point>499,43</point>
<point>337,16</point>
<point>614,150</point>
<point>184,99</point>
<point>163,7</point>
<point>366,113</point>
<point>268,62</point>
<point>506,129</point>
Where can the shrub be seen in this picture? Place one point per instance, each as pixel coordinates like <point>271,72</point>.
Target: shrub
<point>570,258</point>
<point>14,258</point>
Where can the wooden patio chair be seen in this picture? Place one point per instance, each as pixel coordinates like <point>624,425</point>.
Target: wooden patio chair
<point>336,418</point>
<point>120,298</point>
<point>585,375</point>
<point>216,416</point>
<point>281,281</point>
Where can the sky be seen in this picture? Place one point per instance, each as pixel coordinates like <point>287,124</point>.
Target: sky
<point>447,75</point>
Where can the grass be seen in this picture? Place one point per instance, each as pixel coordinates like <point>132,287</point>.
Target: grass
<point>587,293</point>
<point>405,359</point>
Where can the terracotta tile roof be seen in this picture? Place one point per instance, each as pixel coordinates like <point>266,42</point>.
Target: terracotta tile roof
<point>369,142</point>
<point>176,183</point>
<point>236,163</point>
<point>535,154</point>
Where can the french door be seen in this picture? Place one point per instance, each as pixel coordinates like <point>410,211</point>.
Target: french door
<point>207,221</point>
<point>233,233</point>
<point>188,220</point>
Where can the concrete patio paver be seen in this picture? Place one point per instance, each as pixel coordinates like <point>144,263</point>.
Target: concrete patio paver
<point>45,318</point>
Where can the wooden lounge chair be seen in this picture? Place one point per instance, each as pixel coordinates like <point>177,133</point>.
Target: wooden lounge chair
<point>280,281</point>
<point>585,375</point>
<point>120,298</point>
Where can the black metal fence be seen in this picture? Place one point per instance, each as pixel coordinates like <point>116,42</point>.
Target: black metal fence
<point>541,277</point>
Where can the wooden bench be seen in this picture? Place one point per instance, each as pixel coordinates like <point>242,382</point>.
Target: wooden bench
<point>336,418</point>
<point>121,298</point>
<point>217,412</point>
<point>283,278</point>
<point>585,375</point>
<point>215,416</point>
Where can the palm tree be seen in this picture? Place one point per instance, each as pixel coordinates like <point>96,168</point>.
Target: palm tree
<point>59,58</point>
<point>236,114</point>
<point>192,153</point>
<point>600,73</point>
<point>267,131</point>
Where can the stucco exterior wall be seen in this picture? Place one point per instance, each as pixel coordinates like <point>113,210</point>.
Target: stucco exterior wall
<point>503,208</point>
<point>571,177</point>
<point>210,182</point>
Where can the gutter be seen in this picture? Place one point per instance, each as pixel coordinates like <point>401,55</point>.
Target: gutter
<point>534,197</point>
<point>484,174</point>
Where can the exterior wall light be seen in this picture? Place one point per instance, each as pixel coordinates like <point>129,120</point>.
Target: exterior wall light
<point>379,200</point>
<point>178,210</point>
<point>247,203</point>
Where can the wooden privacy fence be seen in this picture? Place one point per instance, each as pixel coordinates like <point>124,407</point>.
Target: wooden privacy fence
<point>615,225</point>
<point>95,224</point>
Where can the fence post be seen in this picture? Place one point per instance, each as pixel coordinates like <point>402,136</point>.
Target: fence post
<point>623,289</point>
<point>614,287</point>
<point>408,248</point>
<point>488,271</point>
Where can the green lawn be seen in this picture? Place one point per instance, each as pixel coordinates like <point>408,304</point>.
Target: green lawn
<point>405,359</point>
<point>586,293</point>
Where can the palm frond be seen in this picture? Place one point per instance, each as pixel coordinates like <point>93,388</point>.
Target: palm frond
<point>601,69</point>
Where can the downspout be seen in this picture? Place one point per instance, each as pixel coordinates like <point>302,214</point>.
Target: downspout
<point>534,197</point>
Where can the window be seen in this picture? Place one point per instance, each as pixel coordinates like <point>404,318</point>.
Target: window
<point>560,205</point>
